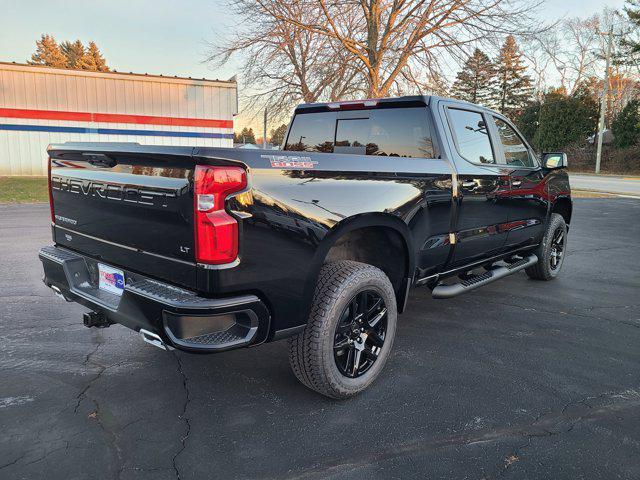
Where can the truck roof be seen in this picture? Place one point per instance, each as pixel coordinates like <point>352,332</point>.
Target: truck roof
<point>413,100</point>
<point>388,102</point>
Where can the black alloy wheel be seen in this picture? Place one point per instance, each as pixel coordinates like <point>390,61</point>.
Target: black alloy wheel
<point>557,248</point>
<point>349,335</point>
<point>360,334</point>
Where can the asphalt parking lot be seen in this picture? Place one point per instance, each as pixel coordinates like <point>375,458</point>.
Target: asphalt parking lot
<point>520,379</point>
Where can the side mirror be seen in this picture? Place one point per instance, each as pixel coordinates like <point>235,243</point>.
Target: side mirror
<point>555,160</point>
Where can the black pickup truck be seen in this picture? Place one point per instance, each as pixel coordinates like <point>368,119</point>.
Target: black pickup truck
<point>211,249</point>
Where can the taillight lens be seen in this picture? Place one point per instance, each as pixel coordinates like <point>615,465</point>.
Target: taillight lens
<point>53,216</point>
<point>216,232</point>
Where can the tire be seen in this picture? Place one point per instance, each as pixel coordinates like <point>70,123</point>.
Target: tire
<point>320,354</point>
<point>545,269</point>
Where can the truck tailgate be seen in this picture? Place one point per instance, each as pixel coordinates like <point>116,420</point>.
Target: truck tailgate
<point>128,206</point>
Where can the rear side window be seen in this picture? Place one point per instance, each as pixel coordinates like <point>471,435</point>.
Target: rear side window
<point>312,132</point>
<point>472,136</point>
<point>398,132</point>
<point>515,151</point>
<point>394,132</point>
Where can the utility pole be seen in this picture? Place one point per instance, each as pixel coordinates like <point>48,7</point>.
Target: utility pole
<point>264,130</point>
<point>603,104</point>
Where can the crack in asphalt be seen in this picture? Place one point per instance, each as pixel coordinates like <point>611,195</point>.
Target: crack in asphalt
<point>539,310</point>
<point>545,425</point>
<point>183,415</point>
<point>13,462</point>
<point>111,436</point>
<point>141,469</point>
<point>50,452</point>
<point>573,313</point>
<point>631,324</point>
<point>584,414</point>
<point>101,369</point>
<point>112,439</point>
<point>611,307</point>
<point>595,250</point>
<point>45,454</point>
<point>133,422</point>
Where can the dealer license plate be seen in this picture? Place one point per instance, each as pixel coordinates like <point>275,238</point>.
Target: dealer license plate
<point>110,279</point>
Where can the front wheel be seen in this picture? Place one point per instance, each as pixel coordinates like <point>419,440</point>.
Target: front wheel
<point>552,250</point>
<point>350,331</point>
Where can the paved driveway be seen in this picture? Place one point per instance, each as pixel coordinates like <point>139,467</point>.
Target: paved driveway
<point>520,379</point>
<point>606,183</point>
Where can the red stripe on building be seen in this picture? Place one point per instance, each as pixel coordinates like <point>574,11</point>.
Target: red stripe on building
<point>114,118</point>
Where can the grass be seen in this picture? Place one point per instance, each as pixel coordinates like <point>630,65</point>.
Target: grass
<point>589,194</point>
<point>23,190</point>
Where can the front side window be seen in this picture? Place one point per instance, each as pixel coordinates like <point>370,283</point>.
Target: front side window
<point>472,135</point>
<point>516,152</point>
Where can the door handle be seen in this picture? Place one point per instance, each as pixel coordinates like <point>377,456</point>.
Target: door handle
<point>516,183</point>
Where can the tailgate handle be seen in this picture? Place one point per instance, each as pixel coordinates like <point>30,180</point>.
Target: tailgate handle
<point>100,160</point>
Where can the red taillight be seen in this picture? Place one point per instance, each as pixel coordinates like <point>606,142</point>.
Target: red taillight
<point>216,231</point>
<point>53,216</point>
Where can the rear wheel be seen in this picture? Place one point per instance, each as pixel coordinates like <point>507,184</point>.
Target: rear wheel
<point>551,251</point>
<point>350,331</point>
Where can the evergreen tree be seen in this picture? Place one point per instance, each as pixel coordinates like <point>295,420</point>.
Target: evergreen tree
<point>514,90</point>
<point>474,82</point>
<point>48,53</point>
<point>626,125</point>
<point>246,136</point>
<point>93,59</point>
<point>559,120</point>
<point>277,135</point>
<point>529,121</point>
<point>68,55</point>
<point>74,52</point>
<point>631,46</point>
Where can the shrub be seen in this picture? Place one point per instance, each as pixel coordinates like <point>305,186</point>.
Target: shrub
<point>621,161</point>
<point>626,125</point>
<point>565,120</point>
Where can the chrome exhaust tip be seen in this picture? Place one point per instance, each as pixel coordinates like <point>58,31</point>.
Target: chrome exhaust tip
<point>154,339</point>
<point>58,292</point>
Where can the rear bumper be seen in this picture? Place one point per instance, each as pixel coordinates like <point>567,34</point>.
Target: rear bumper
<point>180,317</point>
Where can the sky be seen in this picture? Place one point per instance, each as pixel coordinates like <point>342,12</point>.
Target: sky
<point>159,36</point>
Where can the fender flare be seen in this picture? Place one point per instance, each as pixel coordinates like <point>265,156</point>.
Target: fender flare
<point>354,223</point>
<point>561,199</point>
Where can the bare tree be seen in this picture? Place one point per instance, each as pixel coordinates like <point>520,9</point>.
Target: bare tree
<point>296,51</point>
<point>538,61</point>
<point>624,73</point>
<point>571,58</point>
<point>284,63</point>
<point>570,49</point>
<point>396,41</point>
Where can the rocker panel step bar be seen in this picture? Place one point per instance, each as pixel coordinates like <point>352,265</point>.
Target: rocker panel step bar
<point>477,281</point>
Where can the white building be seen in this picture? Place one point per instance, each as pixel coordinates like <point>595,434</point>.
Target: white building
<point>42,105</point>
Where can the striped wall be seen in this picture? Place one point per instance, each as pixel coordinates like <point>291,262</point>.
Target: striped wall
<point>40,105</point>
